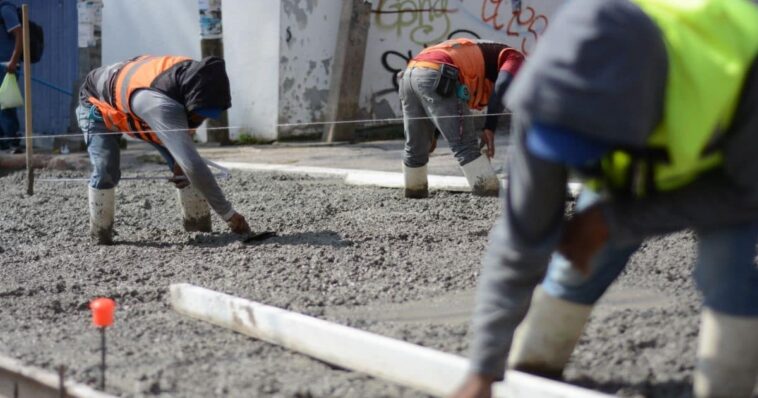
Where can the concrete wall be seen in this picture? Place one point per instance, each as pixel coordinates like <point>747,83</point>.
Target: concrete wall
<point>252,53</point>
<point>309,33</point>
<point>279,52</point>
<point>135,27</point>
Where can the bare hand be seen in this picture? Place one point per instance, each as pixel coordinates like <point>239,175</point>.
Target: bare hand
<point>488,140</point>
<point>475,386</point>
<point>11,67</point>
<point>179,179</point>
<point>238,224</point>
<point>584,235</point>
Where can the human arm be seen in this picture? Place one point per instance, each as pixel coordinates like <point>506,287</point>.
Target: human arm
<point>168,119</point>
<point>520,246</point>
<point>494,108</point>
<point>13,27</point>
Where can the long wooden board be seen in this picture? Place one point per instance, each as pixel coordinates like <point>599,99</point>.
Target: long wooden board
<point>433,372</point>
<point>24,381</point>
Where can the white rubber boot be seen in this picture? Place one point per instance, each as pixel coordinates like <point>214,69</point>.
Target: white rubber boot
<point>196,214</point>
<point>481,177</point>
<point>544,341</point>
<point>727,356</point>
<point>101,211</point>
<point>416,185</point>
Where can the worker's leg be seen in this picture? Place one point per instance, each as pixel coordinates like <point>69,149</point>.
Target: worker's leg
<point>561,306</point>
<point>452,118</point>
<point>104,155</point>
<point>727,274</point>
<point>419,133</point>
<point>9,126</point>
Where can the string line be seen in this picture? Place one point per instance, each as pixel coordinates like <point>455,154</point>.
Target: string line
<point>302,124</point>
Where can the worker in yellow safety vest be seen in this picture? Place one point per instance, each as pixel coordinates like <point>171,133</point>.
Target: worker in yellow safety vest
<point>654,103</point>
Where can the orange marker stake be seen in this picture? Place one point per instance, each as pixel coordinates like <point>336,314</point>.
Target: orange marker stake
<point>102,317</point>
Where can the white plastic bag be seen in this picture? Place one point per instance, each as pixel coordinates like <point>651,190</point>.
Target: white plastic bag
<point>10,95</point>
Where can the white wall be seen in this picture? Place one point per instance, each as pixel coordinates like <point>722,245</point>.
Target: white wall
<point>251,50</point>
<point>135,27</point>
<point>308,36</point>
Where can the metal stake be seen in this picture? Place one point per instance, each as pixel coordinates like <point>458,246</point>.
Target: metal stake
<point>102,358</point>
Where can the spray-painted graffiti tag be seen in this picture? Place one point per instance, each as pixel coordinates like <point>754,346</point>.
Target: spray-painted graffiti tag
<point>420,16</point>
<point>525,23</point>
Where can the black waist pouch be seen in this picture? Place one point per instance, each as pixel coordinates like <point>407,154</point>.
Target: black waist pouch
<point>447,80</point>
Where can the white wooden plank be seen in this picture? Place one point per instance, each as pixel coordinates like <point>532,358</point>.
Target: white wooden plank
<point>34,382</point>
<point>421,368</point>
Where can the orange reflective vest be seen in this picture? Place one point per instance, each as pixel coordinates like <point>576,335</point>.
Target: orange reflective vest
<point>468,58</point>
<point>136,74</point>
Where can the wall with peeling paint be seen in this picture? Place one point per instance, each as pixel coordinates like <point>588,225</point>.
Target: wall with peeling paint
<point>309,33</point>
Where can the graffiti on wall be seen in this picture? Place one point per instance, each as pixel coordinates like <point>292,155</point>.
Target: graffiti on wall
<point>425,21</point>
<point>429,21</point>
<point>521,22</point>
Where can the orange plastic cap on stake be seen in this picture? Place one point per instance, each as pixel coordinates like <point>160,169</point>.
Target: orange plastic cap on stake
<point>102,311</point>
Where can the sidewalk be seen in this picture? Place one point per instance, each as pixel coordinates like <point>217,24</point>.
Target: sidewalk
<point>376,155</point>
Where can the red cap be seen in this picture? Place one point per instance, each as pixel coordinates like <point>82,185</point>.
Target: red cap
<point>102,311</point>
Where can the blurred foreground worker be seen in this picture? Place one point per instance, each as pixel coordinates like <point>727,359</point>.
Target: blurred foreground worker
<point>437,89</point>
<point>654,102</point>
<point>160,100</point>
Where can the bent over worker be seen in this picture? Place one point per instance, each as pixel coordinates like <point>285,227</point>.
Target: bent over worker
<point>654,102</point>
<point>160,100</point>
<point>437,89</point>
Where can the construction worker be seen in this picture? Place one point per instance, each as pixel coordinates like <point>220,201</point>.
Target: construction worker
<point>437,89</point>
<point>654,102</point>
<point>160,100</point>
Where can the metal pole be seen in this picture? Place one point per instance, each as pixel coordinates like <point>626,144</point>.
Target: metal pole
<point>102,359</point>
<point>27,101</point>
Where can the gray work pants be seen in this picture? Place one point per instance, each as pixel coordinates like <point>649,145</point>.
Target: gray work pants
<point>424,110</point>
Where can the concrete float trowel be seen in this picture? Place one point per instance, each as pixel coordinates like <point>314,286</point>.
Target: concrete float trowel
<point>255,237</point>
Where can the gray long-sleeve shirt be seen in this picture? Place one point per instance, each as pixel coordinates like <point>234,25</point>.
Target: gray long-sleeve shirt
<point>590,75</point>
<point>168,119</point>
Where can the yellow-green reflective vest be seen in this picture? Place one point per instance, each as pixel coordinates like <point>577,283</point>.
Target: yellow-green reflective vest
<point>710,45</point>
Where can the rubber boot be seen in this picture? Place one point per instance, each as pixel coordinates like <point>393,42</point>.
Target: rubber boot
<point>481,177</point>
<point>544,341</point>
<point>101,211</point>
<point>727,356</point>
<point>196,215</point>
<point>416,185</point>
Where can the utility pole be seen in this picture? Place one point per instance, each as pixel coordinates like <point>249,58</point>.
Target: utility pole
<point>347,70</point>
<point>212,44</point>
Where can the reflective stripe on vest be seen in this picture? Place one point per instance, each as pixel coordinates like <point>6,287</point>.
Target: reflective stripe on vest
<point>468,58</point>
<point>139,73</point>
<point>710,45</point>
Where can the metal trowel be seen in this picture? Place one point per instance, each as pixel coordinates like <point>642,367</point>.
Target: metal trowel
<point>258,237</point>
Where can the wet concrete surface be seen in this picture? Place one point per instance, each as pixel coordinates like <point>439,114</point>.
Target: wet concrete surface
<point>365,257</point>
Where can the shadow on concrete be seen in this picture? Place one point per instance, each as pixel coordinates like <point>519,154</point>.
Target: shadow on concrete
<point>312,238</point>
<point>648,389</point>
